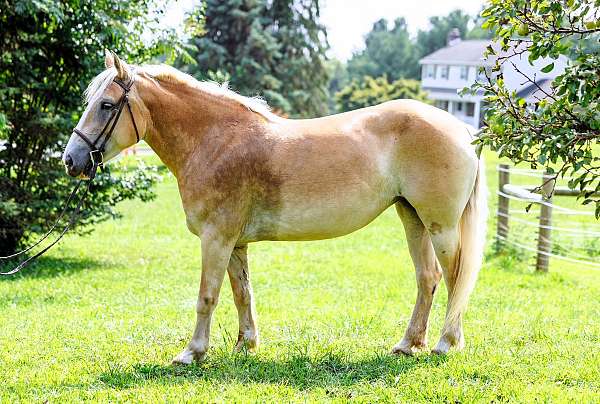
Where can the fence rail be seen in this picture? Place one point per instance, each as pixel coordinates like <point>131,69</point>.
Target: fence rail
<point>526,193</point>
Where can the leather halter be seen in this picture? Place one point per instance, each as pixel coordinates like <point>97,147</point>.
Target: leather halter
<point>96,151</point>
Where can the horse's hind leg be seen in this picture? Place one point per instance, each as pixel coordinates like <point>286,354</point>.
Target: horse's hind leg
<point>242,296</point>
<point>428,277</point>
<point>446,242</point>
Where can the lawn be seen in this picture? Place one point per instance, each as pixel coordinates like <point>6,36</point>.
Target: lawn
<point>100,317</point>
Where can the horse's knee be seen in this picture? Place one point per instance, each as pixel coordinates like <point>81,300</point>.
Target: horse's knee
<point>428,278</point>
<point>206,304</point>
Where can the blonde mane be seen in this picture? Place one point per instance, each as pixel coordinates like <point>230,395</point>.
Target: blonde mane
<point>169,74</point>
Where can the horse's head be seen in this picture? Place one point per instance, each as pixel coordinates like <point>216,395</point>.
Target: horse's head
<point>112,121</point>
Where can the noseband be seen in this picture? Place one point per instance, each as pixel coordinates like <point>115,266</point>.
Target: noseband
<point>96,151</point>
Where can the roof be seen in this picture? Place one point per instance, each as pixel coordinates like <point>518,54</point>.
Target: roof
<point>464,52</point>
<point>536,92</point>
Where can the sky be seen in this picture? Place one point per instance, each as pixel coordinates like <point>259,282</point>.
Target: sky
<point>348,21</point>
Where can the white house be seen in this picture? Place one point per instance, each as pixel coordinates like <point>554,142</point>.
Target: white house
<point>448,70</point>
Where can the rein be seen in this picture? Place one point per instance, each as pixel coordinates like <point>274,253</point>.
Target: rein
<point>97,160</point>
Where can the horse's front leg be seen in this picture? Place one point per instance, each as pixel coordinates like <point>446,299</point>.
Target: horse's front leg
<point>216,251</point>
<point>239,278</point>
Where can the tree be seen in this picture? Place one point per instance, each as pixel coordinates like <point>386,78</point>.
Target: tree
<point>560,132</point>
<point>275,49</point>
<point>388,52</point>
<point>372,91</point>
<point>338,79</point>
<point>49,51</point>
<point>436,36</point>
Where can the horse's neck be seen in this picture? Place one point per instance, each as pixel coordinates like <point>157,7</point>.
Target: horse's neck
<point>182,122</point>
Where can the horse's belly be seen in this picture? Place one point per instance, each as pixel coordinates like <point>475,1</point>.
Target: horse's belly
<point>318,218</point>
<point>324,224</point>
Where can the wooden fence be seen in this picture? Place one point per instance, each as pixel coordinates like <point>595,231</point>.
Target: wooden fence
<point>508,191</point>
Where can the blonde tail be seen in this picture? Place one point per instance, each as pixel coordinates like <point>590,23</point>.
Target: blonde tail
<point>472,243</point>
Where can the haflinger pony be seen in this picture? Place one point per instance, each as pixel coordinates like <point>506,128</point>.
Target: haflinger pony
<point>246,175</point>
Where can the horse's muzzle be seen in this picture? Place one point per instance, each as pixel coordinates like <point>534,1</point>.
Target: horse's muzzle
<point>77,166</point>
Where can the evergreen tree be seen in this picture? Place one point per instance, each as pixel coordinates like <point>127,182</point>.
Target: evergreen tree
<point>270,48</point>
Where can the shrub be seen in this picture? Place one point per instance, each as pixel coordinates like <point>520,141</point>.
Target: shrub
<point>371,91</point>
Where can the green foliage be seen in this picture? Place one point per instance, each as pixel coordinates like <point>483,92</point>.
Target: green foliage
<point>275,49</point>
<point>388,52</point>
<point>338,79</point>
<point>49,51</point>
<point>559,132</point>
<point>371,91</point>
<point>436,36</point>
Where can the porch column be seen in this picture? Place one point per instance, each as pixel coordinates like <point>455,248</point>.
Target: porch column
<point>477,113</point>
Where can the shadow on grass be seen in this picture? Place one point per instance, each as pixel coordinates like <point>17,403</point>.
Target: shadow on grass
<point>301,371</point>
<point>48,267</point>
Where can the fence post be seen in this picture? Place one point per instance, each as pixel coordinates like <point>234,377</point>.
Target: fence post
<point>544,232</point>
<point>503,206</point>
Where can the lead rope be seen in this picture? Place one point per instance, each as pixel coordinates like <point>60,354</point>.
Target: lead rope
<point>45,236</point>
<point>72,220</point>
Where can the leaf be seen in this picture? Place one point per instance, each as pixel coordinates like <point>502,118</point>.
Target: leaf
<point>548,68</point>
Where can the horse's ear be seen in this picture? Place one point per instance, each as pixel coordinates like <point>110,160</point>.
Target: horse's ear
<point>122,68</point>
<point>109,61</point>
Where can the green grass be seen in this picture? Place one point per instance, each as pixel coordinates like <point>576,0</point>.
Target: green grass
<point>101,316</point>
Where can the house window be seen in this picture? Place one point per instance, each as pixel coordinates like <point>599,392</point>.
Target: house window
<point>470,109</point>
<point>442,104</point>
<point>459,106</point>
<point>464,72</point>
<point>444,72</point>
<point>430,71</point>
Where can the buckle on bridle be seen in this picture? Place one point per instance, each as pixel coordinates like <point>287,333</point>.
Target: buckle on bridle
<point>97,157</point>
<point>97,161</point>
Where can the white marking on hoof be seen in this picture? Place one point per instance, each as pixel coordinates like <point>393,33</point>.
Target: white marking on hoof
<point>409,346</point>
<point>402,350</point>
<point>442,347</point>
<point>188,356</point>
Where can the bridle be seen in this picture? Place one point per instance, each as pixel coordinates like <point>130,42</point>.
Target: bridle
<point>97,149</point>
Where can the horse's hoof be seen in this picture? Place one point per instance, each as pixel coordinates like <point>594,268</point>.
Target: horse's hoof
<point>445,343</point>
<point>402,350</point>
<point>188,356</point>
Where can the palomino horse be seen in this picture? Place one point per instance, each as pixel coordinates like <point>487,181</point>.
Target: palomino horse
<point>246,175</point>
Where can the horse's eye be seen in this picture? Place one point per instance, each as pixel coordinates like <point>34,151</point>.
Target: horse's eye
<point>106,105</point>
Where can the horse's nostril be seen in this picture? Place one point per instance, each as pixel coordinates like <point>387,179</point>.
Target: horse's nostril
<point>69,161</point>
